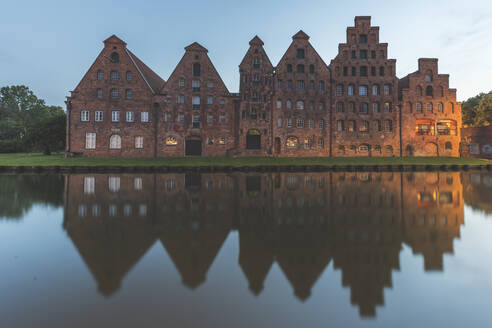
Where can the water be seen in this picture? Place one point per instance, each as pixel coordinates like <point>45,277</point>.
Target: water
<point>246,250</point>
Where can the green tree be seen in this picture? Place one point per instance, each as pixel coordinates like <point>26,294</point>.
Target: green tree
<point>484,111</point>
<point>473,114</point>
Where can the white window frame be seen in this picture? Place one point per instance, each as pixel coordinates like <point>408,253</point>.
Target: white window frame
<point>115,141</point>
<point>85,115</point>
<point>90,140</point>
<point>144,117</point>
<point>115,116</point>
<point>99,116</point>
<point>139,142</point>
<point>130,116</point>
<point>89,185</point>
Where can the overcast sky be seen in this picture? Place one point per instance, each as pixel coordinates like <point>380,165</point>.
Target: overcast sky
<point>49,45</point>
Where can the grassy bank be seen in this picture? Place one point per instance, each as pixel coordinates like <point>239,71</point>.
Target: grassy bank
<point>59,160</point>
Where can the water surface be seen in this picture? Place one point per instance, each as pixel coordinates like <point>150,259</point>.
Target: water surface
<point>246,250</point>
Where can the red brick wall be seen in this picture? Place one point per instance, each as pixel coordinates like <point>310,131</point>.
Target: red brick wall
<point>476,142</point>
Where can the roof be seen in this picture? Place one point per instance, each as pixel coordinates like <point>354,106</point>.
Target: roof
<point>195,46</point>
<point>256,41</point>
<point>154,81</point>
<point>114,39</point>
<point>301,35</point>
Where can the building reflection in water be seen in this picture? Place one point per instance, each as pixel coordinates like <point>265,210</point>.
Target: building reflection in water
<point>359,221</point>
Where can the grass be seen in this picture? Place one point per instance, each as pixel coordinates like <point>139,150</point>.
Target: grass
<point>36,159</point>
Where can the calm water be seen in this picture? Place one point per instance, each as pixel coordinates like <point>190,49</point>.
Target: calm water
<point>246,250</point>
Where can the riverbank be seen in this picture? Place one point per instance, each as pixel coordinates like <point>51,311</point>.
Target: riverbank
<point>56,162</point>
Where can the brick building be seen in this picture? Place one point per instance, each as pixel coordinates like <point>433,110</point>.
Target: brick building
<point>356,106</point>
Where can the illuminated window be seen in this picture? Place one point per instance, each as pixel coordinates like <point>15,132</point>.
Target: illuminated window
<point>171,141</point>
<point>292,142</point>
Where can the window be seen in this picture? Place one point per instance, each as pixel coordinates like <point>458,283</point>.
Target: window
<point>181,83</point>
<point>429,107</point>
<point>321,143</point>
<point>377,125</point>
<point>196,102</point>
<point>99,116</point>
<point>144,116</point>
<point>350,90</point>
<point>321,105</point>
<point>223,101</point>
<point>115,58</point>
<point>300,53</point>
<point>196,69</point>
<point>428,77</point>
<point>210,100</point>
<point>300,123</point>
<point>99,93</point>
<point>375,90</point>
<point>279,122</point>
<point>289,122</point>
<point>300,68</point>
<point>311,85</point>
<point>128,94</point>
<point>351,126</point>
<point>171,141</point>
<point>195,85</point>
<point>387,107</point>
<point>363,71</point>
<point>115,76</point>
<point>381,71</point>
<point>289,85</point>
<point>387,89</point>
<point>130,116</point>
<point>308,142</point>
<point>340,108</point>
<point>311,69</point>
<point>195,122</point>
<point>321,85</point>
<point>419,90</point>
<point>181,99</point>
<point>115,142</point>
<point>362,38</point>
<point>418,107</point>
<point>363,90</point>
<point>210,140</point>
<point>300,85</point>
<point>114,93</point>
<point>279,104</point>
<point>354,71</point>
<point>138,142</point>
<point>90,141</point>
<point>279,84</point>
<point>292,142</point>
<point>440,107</point>
<point>375,107</point>
<point>115,116</point>
<point>221,141</point>
<point>167,117</point>
<point>363,54</point>
<point>373,71</point>
<point>100,75</point>
<point>351,107</point>
<point>339,90</point>
<point>311,105</point>
<point>210,118</point>
<point>222,118</point>
<point>210,84</point>
<point>300,105</point>
<point>289,68</point>
<point>364,127</point>
<point>340,126</point>
<point>129,76</point>
<point>169,100</point>
<point>181,118</point>
<point>448,145</point>
<point>373,55</point>
<point>446,127</point>
<point>429,91</point>
<point>289,104</point>
<point>345,71</point>
<point>364,108</point>
<point>388,125</point>
<point>321,124</point>
<point>353,54</point>
<point>84,116</point>
<point>424,127</point>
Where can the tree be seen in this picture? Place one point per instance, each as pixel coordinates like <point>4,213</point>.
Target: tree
<point>27,123</point>
<point>484,111</point>
<point>472,112</point>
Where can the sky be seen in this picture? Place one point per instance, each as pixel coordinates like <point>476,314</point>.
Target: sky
<point>49,45</point>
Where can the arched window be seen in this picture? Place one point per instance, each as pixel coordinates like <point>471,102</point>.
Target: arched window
<point>100,75</point>
<point>292,142</point>
<point>419,91</point>
<point>418,107</point>
<point>129,76</point>
<point>289,104</point>
<point>440,108</point>
<point>196,69</point>
<point>375,90</point>
<point>300,105</point>
<point>429,91</point>
<point>115,58</point>
<point>115,142</point>
<point>171,141</point>
<point>429,107</point>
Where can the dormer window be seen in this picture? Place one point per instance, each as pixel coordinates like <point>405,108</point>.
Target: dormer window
<point>115,58</point>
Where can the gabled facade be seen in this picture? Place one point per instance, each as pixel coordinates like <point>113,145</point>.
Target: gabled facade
<point>255,88</point>
<point>301,101</point>
<point>431,117</point>
<point>196,109</point>
<point>110,113</point>
<point>356,106</point>
<point>365,114</point>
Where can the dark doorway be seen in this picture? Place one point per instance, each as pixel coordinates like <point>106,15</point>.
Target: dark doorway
<point>253,139</point>
<point>193,148</point>
<point>277,145</point>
